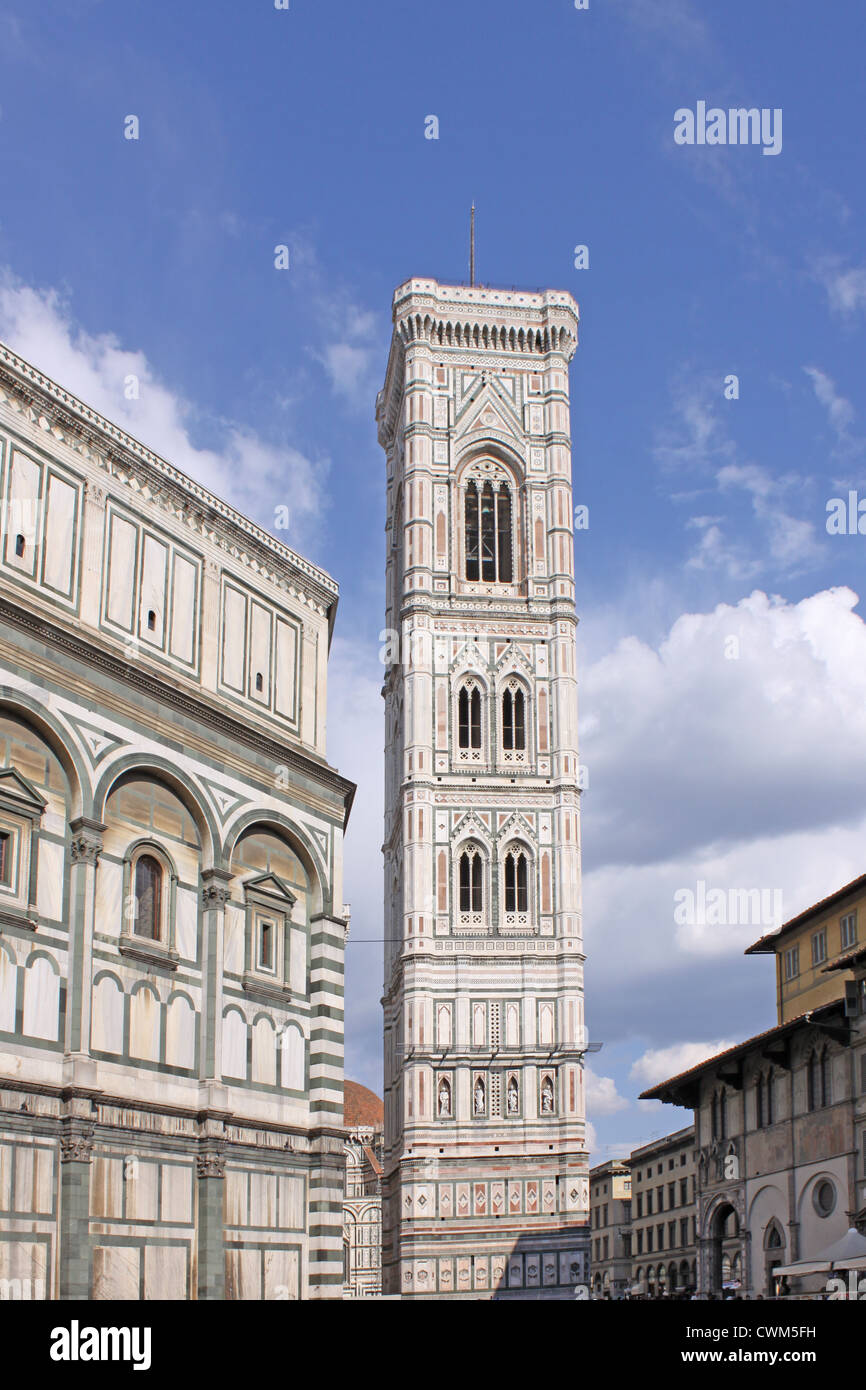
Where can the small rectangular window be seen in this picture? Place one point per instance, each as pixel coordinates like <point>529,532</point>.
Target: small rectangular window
<point>267,945</point>
<point>792,962</point>
<point>848,931</point>
<point>819,947</point>
<point>5,857</point>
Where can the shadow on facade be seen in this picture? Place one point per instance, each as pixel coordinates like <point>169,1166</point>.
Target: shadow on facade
<point>535,1271</point>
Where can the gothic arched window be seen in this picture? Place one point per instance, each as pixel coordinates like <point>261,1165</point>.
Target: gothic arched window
<point>759,1102</point>
<point>148,897</point>
<point>514,719</point>
<point>516,882</point>
<point>487,524</point>
<point>469,717</point>
<point>769,1097</point>
<point>812,1082</point>
<point>723,1114</point>
<point>826,1098</point>
<point>471,881</point>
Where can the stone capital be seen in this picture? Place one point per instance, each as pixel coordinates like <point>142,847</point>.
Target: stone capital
<point>216,888</point>
<point>86,842</point>
<point>210,1164</point>
<point>76,1142</point>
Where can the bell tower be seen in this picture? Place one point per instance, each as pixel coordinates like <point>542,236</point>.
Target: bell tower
<point>485,1188</point>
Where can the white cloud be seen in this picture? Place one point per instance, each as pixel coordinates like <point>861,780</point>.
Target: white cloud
<point>846,288</point>
<point>742,774</point>
<point>602,1097</point>
<point>738,543</point>
<point>789,541</point>
<point>350,368</point>
<point>245,470</point>
<point>658,1064</point>
<point>696,437</point>
<point>840,411</point>
<point>676,22</point>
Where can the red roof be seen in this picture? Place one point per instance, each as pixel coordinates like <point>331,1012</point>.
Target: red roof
<point>361,1106</point>
<point>711,1063</point>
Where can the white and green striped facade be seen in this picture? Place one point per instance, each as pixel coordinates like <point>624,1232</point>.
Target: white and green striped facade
<point>485,1186</point>
<point>171,1055</point>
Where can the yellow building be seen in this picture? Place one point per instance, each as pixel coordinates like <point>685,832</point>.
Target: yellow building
<point>806,945</point>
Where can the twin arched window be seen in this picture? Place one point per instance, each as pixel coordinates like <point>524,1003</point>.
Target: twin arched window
<point>469,717</point>
<point>764,1100</point>
<point>513,706</point>
<point>471,880</point>
<point>489,554</point>
<point>514,719</point>
<point>516,882</point>
<point>818,1090</point>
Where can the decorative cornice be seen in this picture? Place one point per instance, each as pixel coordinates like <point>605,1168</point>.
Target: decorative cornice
<point>267,989</point>
<point>150,952</point>
<point>83,429</point>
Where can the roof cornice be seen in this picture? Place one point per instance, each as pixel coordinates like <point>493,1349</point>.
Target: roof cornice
<point>77,424</point>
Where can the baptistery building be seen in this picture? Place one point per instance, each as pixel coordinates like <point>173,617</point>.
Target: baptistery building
<point>172,927</point>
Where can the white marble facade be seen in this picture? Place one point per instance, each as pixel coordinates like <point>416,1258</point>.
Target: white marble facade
<point>172,929</point>
<point>485,1190</point>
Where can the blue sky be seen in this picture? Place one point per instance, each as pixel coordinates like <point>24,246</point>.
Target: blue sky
<point>305,127</point>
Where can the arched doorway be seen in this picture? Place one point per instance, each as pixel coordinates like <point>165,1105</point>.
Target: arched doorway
<point>774,1253</point>
<point>724,1236</point>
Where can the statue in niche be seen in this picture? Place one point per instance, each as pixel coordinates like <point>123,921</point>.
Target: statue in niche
<point>479,1097</point>
<point>547,1096</point>
<point>513,1097</point>
<point>444,1098</point>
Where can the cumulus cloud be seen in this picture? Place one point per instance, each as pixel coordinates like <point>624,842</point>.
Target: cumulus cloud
<point>602,1097</point>
<point>732,755</point>
<point>254,474</point>
<point>720,723</point>
<point>658,1064</point>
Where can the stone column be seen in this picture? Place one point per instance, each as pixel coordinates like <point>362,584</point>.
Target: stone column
<point>215,894</point>
<point>76,1151</point>
<point>84,852</point>
<point>210,1174</point>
